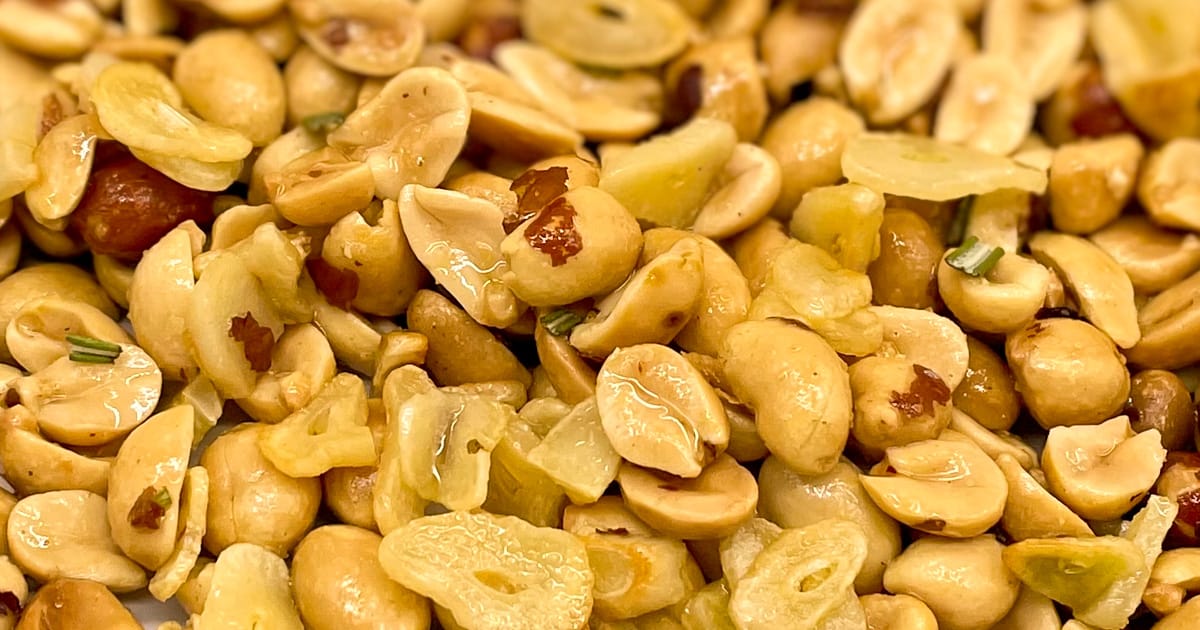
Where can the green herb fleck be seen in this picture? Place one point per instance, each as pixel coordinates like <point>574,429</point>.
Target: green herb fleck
<point>962,216</point>
<point>323,123</point>
<point>975,258</point>
<point>85,357</point>
<point>163,498</point>
<point>560,322</point>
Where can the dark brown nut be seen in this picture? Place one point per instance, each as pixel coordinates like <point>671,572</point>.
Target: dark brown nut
<point>1159,400</point>
<point>128,206</point>
<point>1180,482</point>
<point>490,24</point>
<point>987,392</point>
<point>905,273</point>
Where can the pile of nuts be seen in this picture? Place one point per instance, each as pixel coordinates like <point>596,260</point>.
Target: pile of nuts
<point>600,314</point>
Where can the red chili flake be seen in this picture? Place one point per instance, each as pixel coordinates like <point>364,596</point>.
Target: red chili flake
<point>553,232</point>
<point>1188,518</point>
<point>336,33</point>
<point>52,113</point>
<point>1099,113</point>
<point>10,604</point>
<point>257,341</point>
<point>147,511</point>
<point>926,391</point>
<point>339,286</point>
<point>535,189</point>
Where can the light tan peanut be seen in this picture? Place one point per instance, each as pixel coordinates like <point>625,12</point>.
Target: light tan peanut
<point>583,244</point>
<point>364,37</point>
<point>886,74</point>
<point>721,78</point>
<point>685,430</point>
<point>372,245</point>
<point>458,240</point>
<point>805,419</point>
<point>417,148</point>
<point>227,78</point>
<point>946,487</point>
<point>1154,258</point>
<point>987,106</point>
<point>1101,286</point>
<point>1091,180</point>
<point>807,140</point>
<point>1045,357</point>
<point>651,307</point>
<point>1043,41</point>
<point>1167,322</point>
<point>614,107</point>
<point>316,86</point>
<point>451,334</point>
<point>1170,184</point>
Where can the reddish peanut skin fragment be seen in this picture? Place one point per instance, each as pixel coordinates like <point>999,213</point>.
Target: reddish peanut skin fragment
<point>128,206</point>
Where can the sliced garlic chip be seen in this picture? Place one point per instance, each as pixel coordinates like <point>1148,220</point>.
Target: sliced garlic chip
<point>987,106</point>
<point>140,106</point>
<point>250,588</point>
<point>409,133</point>
<point>613,34</point>
<point>893,55</point>
<point>666,180</point>
<point>373,37</point>
<point>457,238</point>
<point>210,176</point>
<point>86,404</point>
<point>915,166</point>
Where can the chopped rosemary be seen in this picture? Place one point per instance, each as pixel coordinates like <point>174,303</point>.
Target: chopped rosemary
<point>93,344</point>
<point>323,123</point>
<point>560,322</point>
<point>163,498</point>
<point>90,350</point>
<point>974,258</point>
<point>84,357</point>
